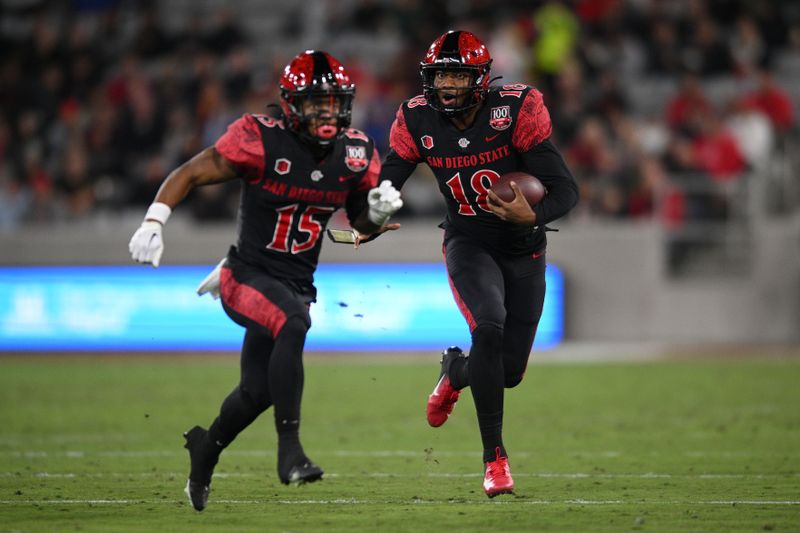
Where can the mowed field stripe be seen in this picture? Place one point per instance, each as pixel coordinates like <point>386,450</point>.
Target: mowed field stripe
<point>347,501</point>
<point>78,454</point>
<point>554,475</point>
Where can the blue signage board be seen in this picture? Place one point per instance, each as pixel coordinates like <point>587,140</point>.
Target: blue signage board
<point>365,307</point>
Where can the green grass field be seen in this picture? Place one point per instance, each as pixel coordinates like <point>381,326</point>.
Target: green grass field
<point>94,444</point>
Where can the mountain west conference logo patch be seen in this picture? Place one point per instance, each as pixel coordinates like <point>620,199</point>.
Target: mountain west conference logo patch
<point>500,117</point>
<point>355,157</point>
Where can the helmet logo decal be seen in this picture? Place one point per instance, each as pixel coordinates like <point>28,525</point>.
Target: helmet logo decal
<point>316,175</point>
<point>500,117</point>
<point>427,141</point>
<point>355,157</point>
<point>282,166</point>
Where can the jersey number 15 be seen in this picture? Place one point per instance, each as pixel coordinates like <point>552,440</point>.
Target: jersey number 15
<point>305,224</point>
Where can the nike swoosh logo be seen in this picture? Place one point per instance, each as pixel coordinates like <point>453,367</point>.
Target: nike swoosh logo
<point>537,255</point>
<point>345,178</point>
<point>490,138</point>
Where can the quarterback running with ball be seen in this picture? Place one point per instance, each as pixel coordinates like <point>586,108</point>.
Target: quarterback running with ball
<point>470,134</point>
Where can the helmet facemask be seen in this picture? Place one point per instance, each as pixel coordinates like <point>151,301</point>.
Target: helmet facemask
<point>318,116</point>
<point>474,92</point>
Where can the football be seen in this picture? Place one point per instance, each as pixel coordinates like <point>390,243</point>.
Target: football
<point>530,186</point>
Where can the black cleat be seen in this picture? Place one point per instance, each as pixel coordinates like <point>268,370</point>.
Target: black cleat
<point>202,467</point>
<point>197,493</point>
<point>304,471</point>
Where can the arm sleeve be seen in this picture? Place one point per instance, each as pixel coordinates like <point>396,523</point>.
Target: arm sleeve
<point>241,145</point>
<point>533,123</point>
<point>545,162</point>
<point>396,169</point>
<point>401,140</point>
<point>357,199</point>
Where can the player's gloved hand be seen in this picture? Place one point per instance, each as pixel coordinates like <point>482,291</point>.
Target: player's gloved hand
<point>210,283</point>
<point>384,201</point>
<point>147,245</point>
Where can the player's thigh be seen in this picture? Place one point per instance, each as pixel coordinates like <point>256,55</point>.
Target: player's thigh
<point>253,299</point>
<point>476,281</point>
<point>525,288</point>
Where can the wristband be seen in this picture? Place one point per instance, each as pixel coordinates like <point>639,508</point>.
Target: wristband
<point>159,212</point>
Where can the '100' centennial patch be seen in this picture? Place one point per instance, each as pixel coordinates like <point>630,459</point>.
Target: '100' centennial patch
<point>500,117</point>
<point>355,157</point>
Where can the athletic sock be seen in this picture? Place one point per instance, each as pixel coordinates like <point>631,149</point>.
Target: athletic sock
<point>459,373</point>
<point>491,426</point>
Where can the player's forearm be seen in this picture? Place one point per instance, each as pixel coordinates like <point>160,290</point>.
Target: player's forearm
<point>396,169</point>
<point>364,225</point>
<point>546,163</point>
<point>205,168</point>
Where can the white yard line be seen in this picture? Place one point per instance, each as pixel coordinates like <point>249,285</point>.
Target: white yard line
<point>546,475</point>
<point>349,501</point>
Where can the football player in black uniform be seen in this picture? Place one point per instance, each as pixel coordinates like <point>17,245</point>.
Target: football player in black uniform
<point>295,172</point>
<point>470,134</point>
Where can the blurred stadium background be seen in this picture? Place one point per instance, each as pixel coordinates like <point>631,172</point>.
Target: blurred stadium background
<point>678,119</point>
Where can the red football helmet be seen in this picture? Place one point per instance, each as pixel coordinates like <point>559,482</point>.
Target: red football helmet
<point>315,74</point>
<point>456,50</point>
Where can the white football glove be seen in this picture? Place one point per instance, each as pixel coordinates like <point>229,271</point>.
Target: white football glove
<point>210,283</point>
<point>384,201</point>
<point>146,245</point>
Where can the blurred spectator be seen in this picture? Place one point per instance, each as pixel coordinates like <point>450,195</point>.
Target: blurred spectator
<point>714,150</point>
<point>748,46</point>
<point>151,41</point>
<point>772,100</point>
<point>687,103</point>
<point>98,98</point>
<point>752,130</point>
<point>226,34</point>
<point>663,49</point>
<point>707,54</point>
<point>557,35</point>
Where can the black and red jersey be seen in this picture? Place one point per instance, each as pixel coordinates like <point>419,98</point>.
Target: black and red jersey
<point>510,133</point>
<point>288,197</point>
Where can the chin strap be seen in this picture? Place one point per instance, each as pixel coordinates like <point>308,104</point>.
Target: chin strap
<point>491,81</point>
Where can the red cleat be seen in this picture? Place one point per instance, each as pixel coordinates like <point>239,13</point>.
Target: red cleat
<point>444,396</point>
<point>497,477</point>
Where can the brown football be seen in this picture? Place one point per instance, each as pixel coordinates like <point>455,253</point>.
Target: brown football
<point>530,186</point>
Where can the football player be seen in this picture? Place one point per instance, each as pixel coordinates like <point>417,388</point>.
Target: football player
<point>470,133</point>
<point>295,172</point>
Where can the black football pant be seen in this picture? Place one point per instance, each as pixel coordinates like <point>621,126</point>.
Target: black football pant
<point>501,296</point>
<point>275,315</point>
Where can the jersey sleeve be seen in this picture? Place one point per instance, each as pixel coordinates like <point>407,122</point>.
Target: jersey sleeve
<point>357,199</point>
<point>401,140</point>
<point>533,123</point>
<point>241,145</point>
<point>370,177</point>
